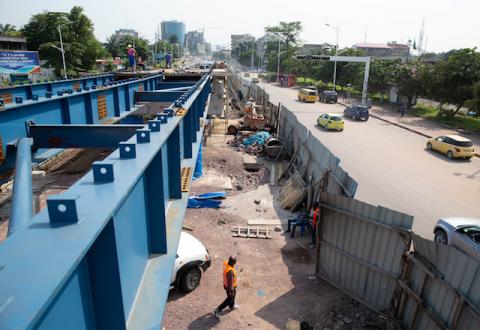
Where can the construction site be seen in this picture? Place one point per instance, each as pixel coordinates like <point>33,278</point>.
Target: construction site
<point>103,175</point>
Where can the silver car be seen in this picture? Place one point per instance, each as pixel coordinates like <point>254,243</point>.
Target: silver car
<point>463,233</point>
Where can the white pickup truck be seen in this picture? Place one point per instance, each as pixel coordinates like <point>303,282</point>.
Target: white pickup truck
<point>192,258</point>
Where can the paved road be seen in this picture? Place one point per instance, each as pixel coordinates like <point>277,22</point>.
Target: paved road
<point>392,167</point>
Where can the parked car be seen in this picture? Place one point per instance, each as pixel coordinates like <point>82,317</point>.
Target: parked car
<point>246,74</point>
<point>328,96</point>
<point>331,121</point>
<point>454,146</point>
<point>463,233</point>
<point>255,80</point>
<point>192,258</point>
<point>356,112</point>
<point>307,95</point>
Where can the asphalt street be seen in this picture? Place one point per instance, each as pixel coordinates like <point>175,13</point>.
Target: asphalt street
<point>392,166</point>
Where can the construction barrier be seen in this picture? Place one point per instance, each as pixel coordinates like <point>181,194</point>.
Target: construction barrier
<point>365,250</point>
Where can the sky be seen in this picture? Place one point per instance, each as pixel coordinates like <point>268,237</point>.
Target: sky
<point>449,24</point>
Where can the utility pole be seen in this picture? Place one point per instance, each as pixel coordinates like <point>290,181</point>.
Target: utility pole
<point>278,61</point>
<point>336,54</point>
<point>62,51</point>
<point>251,63</point>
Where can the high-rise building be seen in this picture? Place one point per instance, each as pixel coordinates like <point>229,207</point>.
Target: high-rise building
<point>192,40</point>
<point>173,32</point>
<point>237,39</point>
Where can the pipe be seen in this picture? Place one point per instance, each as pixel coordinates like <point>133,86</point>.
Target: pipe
<point>22,197</point>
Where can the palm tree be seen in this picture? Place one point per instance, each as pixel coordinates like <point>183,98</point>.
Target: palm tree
<point>7,28</point>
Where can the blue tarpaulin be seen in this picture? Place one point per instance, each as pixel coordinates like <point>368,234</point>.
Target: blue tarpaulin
<point>198,165</point>
<point>259,138</point>
<point>208,200</point>
<point>194,203</point>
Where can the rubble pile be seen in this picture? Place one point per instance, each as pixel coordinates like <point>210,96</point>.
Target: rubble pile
<point>250,142</point>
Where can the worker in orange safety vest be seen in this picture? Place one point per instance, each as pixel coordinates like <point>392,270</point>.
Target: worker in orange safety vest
<point>230,286</point>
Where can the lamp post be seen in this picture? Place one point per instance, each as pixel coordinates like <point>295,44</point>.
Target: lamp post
<point>278,61</point>
<point>336,53</point>
<point>59,29</point>
<point>251,62</point>
<point>278,57</point>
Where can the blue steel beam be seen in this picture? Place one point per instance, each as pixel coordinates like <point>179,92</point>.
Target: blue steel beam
<point>22,196</point>
<point>27,91</point>
<point>158,96</point>
<point>80,136</point>
<point>89,106</point>
<point>102,253</point>
<point>174,84</point>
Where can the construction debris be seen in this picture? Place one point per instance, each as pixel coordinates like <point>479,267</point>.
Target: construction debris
<point>292,324</point>
<point>252,163</point>
<point>253,143</point>
<point>251,232</point>
<point>188,227</point>
<point>293,191</point>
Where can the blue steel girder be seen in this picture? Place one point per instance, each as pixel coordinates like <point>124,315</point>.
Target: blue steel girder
<point>27,91</point>
<point>158,96</point>
<point>102,253</point>
<point>89,106</point>
<point>80,136</point>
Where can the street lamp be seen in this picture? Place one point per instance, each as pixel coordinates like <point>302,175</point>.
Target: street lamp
<point>278,57</point>
<point>336,53</point>
<point>59,29</point>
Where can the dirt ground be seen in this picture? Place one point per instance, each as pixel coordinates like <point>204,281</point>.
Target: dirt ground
<point>275,276</point>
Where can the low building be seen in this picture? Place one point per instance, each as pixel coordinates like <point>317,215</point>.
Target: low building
<point>13,43</point>
<point>126,32</point>
<point>381,50</point>
<point>315,49</point>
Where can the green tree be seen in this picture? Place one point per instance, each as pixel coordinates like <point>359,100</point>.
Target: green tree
<point>117,46</point>
<point>81,47</point>
<point>9,30</point>
<point>287,34</point>
<point>409,79</point>
<point>349,72</point>
<point>381,76</point>
<point>452,80</point>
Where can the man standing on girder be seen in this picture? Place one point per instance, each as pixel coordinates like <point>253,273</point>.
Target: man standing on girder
<point>131,57</point>
<point>230,286</point>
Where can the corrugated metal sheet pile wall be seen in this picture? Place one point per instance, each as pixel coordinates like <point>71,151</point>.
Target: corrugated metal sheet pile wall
<point>366,251</point>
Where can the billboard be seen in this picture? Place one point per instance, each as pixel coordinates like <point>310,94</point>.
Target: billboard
<point>19,62</point>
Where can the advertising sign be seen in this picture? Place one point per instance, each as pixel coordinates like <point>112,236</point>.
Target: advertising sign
<point>19,62</point>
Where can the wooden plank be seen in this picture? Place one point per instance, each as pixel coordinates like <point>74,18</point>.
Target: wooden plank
<point>265,222</point>
<point>102,106</point>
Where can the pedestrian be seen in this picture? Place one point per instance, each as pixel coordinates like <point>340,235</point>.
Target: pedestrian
<point>403,108</point>
<point>168,60</point>
<point>131,53</point>
<point>140,63</point>
<point>314,213</point>
<point>230,286</point>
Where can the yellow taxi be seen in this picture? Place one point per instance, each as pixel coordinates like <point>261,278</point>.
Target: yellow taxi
<point>307,95</point>
<point>331,121</point>
<point>454,146</point>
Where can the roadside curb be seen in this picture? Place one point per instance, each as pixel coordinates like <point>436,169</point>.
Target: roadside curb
<point>402,126</point>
